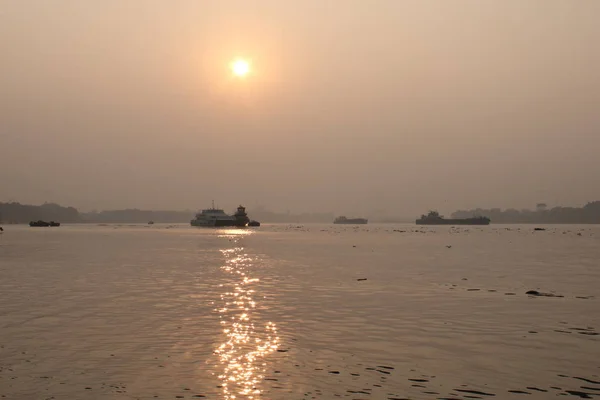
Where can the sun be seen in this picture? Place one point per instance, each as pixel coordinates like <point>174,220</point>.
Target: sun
<point>240,68</point>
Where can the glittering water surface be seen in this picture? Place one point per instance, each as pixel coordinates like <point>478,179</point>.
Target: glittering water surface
<point>299,312</point>
<point>243,353</point>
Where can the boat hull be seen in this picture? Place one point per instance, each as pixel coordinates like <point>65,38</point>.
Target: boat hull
<point>466,221</point>
<point>217,223</point>
<point>357,221</point>
<point>43,223</point>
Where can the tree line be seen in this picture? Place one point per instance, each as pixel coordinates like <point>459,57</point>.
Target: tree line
<point>588,214</point>
<point>16,213</point>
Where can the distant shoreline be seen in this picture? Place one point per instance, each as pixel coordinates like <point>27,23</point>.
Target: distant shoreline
<point>16,213</point>
<point>588,214</point>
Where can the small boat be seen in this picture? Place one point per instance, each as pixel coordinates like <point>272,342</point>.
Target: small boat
<point>253,223</point>
<point>41,223</point>
<point>150,222</point>
<point>434,218</point>
<point>351,221</point>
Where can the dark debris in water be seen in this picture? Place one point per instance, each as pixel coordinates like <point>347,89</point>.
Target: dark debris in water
<point>587,380</point>
<point>542,294</point>
<point>536,389</point>
<point>531,293</point>
<point>580,394</point>
<point>384,381</point>
<point>477,392</point>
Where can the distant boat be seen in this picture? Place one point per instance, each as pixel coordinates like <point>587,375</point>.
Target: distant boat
<point>43,223</point>
<point>216,217</point>
<point>434,218</point>
<point>350,221</point>
<point>253,223</point>
<point>150,222</point>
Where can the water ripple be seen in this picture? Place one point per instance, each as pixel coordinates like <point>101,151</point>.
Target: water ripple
<point>246,339</point>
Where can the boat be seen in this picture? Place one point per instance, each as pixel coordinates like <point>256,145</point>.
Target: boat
<point>217,217</point>
<point>41,223</point>
<point>352,221</point>
<point>434,218</point>
<point>150,222</point>
<point>253,223</point>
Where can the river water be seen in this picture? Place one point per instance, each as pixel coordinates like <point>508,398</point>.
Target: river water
<point>299,312</point>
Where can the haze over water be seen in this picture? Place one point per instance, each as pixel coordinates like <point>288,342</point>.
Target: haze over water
<point>390,106</point>
<point>299,312</point>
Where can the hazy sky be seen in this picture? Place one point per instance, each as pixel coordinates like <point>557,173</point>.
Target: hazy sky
<point>351,105</point>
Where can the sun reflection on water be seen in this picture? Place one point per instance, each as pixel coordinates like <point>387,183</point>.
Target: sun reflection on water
<point>248,340</point>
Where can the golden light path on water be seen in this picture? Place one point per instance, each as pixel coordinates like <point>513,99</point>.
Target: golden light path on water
<point>247,340</point>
